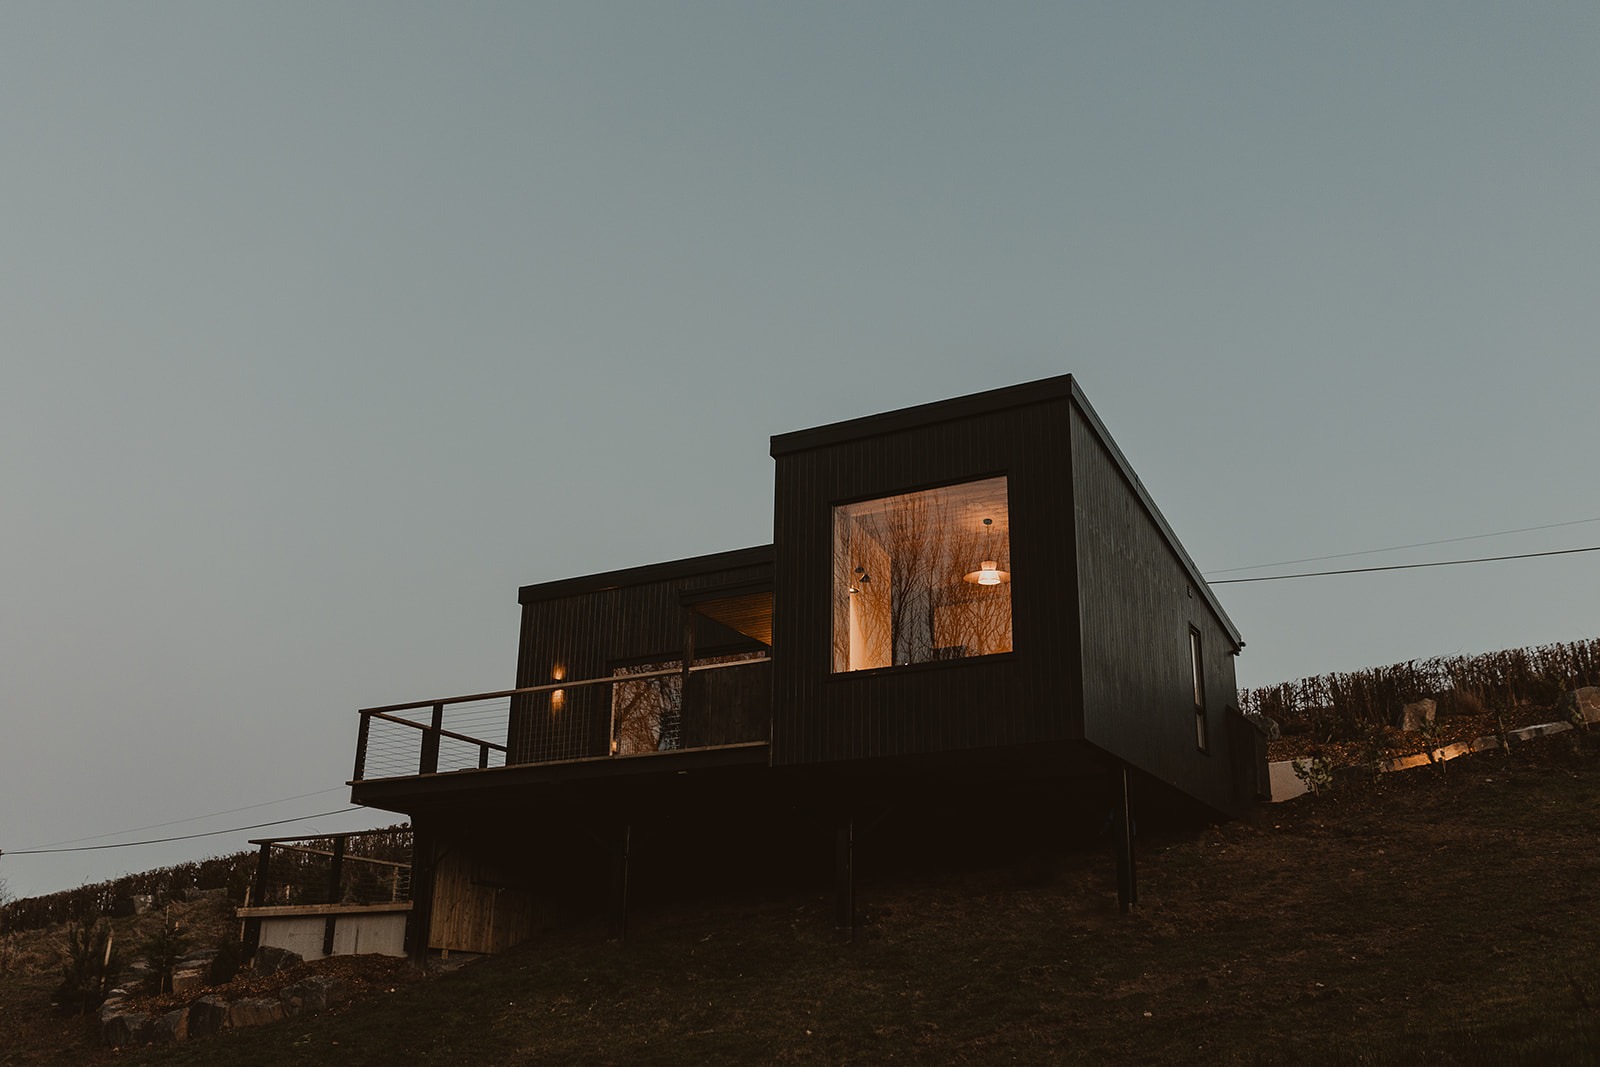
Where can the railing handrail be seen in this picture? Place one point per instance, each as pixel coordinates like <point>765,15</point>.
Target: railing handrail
<point>328,837</point>
<point>549,688</point>
<point>345,857</point>
<point>425,726</point>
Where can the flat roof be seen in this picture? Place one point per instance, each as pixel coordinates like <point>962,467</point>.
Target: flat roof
<point>1011,396</point>
<point>1061,387</point>
<point>758,556</point>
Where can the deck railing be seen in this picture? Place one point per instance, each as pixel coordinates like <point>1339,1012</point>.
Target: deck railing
<point>361,867</point>
<point>655,710</point>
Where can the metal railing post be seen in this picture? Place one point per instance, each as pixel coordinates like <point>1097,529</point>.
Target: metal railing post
<point>429,764</point>
<point>361,747</point>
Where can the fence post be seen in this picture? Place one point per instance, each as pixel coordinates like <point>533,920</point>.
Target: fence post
<point>429,764</point>
<point>361,747</point>
<point>252,926</point>
<point>335,875</point>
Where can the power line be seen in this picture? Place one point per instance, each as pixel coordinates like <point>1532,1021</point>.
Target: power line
<point>1404,566</point>
<point>194,818</point>
<point>1414,544</point>
<point>182,837</point>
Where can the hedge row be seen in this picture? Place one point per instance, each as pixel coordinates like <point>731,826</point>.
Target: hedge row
<point>1341,706</point>
<point>233,873</point>
<point>115,897</point>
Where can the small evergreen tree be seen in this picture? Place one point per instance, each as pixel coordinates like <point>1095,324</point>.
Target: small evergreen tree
<point>86,976</point>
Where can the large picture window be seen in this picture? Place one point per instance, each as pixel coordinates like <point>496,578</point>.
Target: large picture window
<point>920,577</point>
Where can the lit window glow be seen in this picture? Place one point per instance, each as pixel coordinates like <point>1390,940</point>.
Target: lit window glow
<point>922,577</point>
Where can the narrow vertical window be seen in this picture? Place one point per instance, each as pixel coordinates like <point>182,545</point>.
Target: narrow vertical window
<point>920,577</point>
<point>1199,689</point>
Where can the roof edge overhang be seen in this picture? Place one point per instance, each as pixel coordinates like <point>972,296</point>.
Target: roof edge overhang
<point>961,407</point>
<point>1063,386</point>
<point>1154,512</point>
<point>760,555</point>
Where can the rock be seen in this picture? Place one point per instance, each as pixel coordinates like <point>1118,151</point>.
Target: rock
<point>1413,716</point>
<point>127,1029</point>
<point>187,978</point>
<point>270,959</point>
<point>170,1028</point>
<point>192,894</point>
<point>207,1016</point>
<point>1582,704</point>
<point>255,1012</point>
<point>315,993</point>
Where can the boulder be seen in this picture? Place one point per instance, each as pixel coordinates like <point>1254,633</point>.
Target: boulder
<point>110,1008</point>
<point>270,959</point>
<point>170,1028</point>
<point>193,971</point>
<point>314,993</point>
<point>255,1012</point>
<point>187,978</point>
<point>126,1029</point>
<point>1413,716</point>
<point>1582,704</point>
<point>207,1015</point>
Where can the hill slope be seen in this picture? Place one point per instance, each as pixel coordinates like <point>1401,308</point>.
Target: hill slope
<point>1449,919</point>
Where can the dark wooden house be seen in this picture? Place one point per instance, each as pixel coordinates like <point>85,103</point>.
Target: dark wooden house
<point>964,602</point>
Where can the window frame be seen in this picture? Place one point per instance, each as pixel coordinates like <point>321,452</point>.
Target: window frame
<point>1197,680</point>
<point>1006,552</point>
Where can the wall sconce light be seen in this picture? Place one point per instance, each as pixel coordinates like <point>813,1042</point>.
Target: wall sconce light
<point>988,572</point>
<point>558,697</point>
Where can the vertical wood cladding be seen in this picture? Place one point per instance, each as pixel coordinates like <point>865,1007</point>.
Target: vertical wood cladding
<point>1137,603</point>
<point>587,632</point>
<point>1026,695</point>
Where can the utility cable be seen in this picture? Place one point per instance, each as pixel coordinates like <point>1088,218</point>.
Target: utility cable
<point>1414,544</point>
<point>182,837</point>
<point>194,818</point>
<point>1404,566</point>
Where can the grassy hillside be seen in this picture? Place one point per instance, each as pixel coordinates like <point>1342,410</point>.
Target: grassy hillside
<point>1429,918</point>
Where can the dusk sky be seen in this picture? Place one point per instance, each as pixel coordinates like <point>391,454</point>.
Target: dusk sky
<point>326,326</point>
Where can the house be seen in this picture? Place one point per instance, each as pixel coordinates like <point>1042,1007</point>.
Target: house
<point>965,603</point>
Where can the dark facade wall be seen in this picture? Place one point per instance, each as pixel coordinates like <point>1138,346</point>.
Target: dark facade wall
<point>587,634</point>
<point>1027,695</point>
<point>1138,603</point>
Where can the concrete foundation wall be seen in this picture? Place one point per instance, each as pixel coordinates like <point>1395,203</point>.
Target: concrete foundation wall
<point>383,933</point>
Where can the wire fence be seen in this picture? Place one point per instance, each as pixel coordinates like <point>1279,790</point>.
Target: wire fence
<point>368,867</point>
<point>396,743</point>
<point>639,709</point>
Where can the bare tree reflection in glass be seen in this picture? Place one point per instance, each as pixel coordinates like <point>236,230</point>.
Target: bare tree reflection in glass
<point>900,594</point>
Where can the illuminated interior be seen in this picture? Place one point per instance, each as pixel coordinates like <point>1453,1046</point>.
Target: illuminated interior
<point>922,577</point>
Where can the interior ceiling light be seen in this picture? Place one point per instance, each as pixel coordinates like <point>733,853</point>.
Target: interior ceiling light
<point>861,578</point>
<point>988,572</point>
